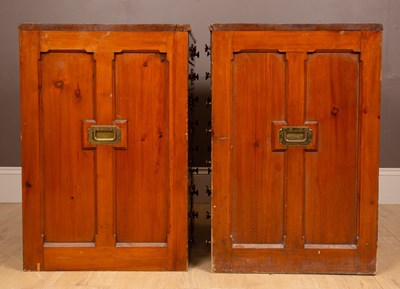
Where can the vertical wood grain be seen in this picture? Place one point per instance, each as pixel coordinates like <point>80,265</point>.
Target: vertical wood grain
<point>221,151</point>
<point>258,172</point>
<point>31,173</point>
<point>331,171</point>
<point>142,176</point>
<point>323,180</point>
<point>371,46</point>
<point>105,194</point>
<point>78,88</point>
<point>294,198</point>
<point>69,192</point>
<point>178,152</point>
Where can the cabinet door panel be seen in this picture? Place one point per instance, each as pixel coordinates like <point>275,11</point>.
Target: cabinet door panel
<point>69,190</point>
<point>142,177</point>
<point>331,171</point>
<point>258,99</point>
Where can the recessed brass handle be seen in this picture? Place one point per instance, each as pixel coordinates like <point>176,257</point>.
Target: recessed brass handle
<point>295,135</point>
<point>104,134</point>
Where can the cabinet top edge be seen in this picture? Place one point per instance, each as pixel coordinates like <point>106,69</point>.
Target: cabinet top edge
<point>106,27</point>
<point>294,27</point>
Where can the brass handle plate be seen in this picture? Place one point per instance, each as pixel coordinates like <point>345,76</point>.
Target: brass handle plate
<point>104,134</point>
<point>295,135</point>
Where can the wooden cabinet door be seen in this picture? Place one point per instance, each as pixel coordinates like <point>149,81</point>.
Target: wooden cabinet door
<point>104,144</point>
<point>295,148</point>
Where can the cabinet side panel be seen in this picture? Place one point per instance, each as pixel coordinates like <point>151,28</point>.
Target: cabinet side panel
<point>258,172</point>
<point>31,185</point>
<point>331,171</point>
<point>69,190</point>
<point>141,171</point>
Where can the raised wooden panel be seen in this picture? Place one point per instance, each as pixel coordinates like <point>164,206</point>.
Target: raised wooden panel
<point>142,169</point>
<point>331,208</point>
<point>331,190</point>
<point>258,172</point>
<point>66,95</point>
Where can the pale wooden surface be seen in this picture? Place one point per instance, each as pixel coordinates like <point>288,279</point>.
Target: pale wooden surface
<point>198,276</point>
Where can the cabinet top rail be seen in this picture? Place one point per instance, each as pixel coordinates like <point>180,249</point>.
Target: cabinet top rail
<point>106,27</point>
<point>293,27</point>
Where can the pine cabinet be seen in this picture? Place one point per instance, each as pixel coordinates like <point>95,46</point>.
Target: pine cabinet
<point>295,147</point>
<point>104,146</point>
